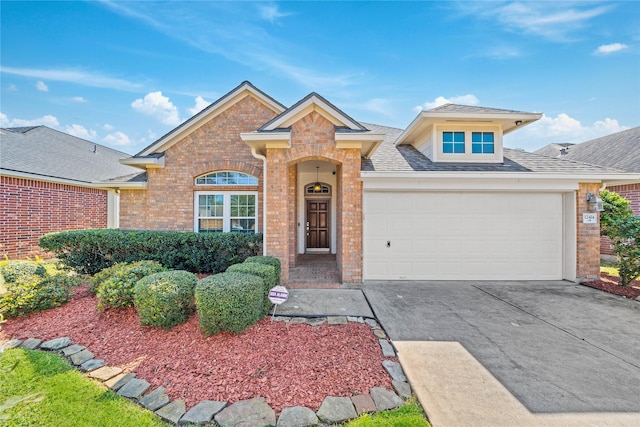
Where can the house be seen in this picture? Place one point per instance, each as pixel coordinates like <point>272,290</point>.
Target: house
<point>621,151</point>
<point>47,184</point>
<point>442,199</point>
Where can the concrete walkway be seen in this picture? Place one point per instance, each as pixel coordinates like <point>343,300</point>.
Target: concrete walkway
<point>515,353</point>
<point>325,302</point>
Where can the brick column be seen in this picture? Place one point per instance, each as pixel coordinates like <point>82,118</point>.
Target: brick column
<point>351,218</point>
<point>278,210</point>
<point>588,236</point>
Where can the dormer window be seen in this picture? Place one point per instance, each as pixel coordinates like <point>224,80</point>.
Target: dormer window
<point>453,142</point>
<point>482,143</point>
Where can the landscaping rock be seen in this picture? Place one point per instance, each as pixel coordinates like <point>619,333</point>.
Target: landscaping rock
<point>337,320</point>
<point>336,409</point>
<point>203,412</point>
<point>385,399</point>
<point>363,404</point>
<point>117,382</point>
<point>297,416</point>
<point>134,388</point>
<point>56,343</point>
<point>81,357</point>
<point>173,411</point>
<point>395,370</point>
<point>280,318</point>
<point>298,320</point>
<point>379,333</point>
<point>387,349</point>
<point>402,388</point>
<point>372,323</point>
<point>247,413</point>
<point>355,319</point>
<point>105,373</point>
<point>7,345</point>
<point>316,321</point>
<point>155,400</point>
<point>31,343</point>
<point>92,364</point>
<point>72,349</point>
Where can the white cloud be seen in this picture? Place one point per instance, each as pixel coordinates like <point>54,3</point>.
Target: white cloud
<point>200,105</point>
<point>79,99</point>
<point>41,86</point>
<point>606,49</point>
<point>159,107</point>
<point>272,12</point>
<point>117,138</point>
<point>81,132</point>
<point>560,129</point>
<point>12,88</point>
<point>108,127</point>
<point>46,120</point>
<point>468,99</point>
<point>74,76</point>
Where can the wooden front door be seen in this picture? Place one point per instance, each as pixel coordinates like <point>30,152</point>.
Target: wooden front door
<point>317,224</point>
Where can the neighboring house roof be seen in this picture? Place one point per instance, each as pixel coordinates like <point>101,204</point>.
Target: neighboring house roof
<point>554,150</point>
<point>620,150</point>
<point>400,158</point>
<point>40,151</point>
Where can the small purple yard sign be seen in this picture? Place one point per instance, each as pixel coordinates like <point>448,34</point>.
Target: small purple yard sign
<point>278,295</point>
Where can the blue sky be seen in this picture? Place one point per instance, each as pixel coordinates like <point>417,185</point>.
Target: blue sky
<point>124,73</point>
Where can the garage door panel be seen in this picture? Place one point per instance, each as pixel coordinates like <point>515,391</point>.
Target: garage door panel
<point>463,236</point>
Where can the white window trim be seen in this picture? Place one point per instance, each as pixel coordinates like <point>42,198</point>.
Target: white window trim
<point>226,215</point>
<point>195,181</point>
<point>468,156</point>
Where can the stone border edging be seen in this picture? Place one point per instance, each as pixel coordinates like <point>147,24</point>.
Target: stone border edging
<point>208,412</point>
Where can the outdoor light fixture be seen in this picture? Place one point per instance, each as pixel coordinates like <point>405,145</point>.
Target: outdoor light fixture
<point>518,122</point>
<point>595,202</point>
<point>317,187</point>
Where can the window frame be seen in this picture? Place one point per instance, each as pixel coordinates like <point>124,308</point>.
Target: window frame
<point>195,181</point>
<point>226,209</point>
<point>468,156</point>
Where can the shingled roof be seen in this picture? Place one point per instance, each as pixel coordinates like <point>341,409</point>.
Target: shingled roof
<point>52,154</point>
<point>620,150</point>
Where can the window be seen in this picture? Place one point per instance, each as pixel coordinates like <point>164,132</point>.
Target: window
<point>324,189</point>
<point>227,178</point>
<point>453,142</point>
<point>482,143</point>
<point>224,212</point>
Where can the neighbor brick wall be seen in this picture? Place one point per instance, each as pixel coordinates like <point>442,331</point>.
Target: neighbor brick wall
<point>313,138</point>
<point>168,201</point>
<point>630,192</point>
<point>30,208</point>
<point>588,236</point>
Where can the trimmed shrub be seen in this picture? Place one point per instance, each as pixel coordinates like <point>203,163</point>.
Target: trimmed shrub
<point>229,302</point>
<point>268,260</point>
<point>89,251</point>
<point>165,299</point>
<point>29,286</point>
<point>264,271</point>
<point>115,288</point>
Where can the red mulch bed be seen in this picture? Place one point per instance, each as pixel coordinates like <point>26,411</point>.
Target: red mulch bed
<point>287,364</point>
<point>610,284</point>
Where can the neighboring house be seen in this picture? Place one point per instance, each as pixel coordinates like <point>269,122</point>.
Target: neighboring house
<point>621,151</point>
<point>441,199</point>
<point>47,184</point>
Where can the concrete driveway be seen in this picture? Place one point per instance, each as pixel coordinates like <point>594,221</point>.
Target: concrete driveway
<point>515,353</point>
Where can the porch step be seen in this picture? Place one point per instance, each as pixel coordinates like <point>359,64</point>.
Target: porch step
<point>315,271</point>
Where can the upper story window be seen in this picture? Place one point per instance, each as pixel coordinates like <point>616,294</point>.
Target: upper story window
<point>226,178</point>
<point>482,143</point>
<point>453,142</point>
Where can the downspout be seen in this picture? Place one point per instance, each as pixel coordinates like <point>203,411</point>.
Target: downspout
<point>264,198</point>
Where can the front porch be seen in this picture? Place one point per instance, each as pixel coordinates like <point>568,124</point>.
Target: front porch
<point>315,271</point>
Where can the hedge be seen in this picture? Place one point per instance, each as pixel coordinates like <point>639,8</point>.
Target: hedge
<point>268,260</point>
<point>89,251</point>
<point>114,285</point>
<point>165,299</point>
<point>229,302</point>
<point>266,272</point>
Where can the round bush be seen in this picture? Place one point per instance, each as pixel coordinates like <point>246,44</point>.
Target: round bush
<point>266,272</point>
<point>268,260</point>
<point>115,288</point>
<point>12,270</point>
<point>229,302</point>
<point>165,299</point>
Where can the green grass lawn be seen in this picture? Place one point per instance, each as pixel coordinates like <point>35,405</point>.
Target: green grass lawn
<point>42,389</point>
<point>409,415</point>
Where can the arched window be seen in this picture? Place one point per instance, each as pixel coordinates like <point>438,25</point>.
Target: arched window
<point>317,188</point>
<point>226,178</point>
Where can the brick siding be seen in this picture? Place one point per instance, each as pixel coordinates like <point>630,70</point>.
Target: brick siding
<point>29,209</point>
<point>630,192</point>
<point>588,236</point>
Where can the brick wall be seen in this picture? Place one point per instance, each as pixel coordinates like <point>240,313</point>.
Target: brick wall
<point>168,201</point>
<point>630,192</point>
<point>588,236</point>
<point>29,209</point>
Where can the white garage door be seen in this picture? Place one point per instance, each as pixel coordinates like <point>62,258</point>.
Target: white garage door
<point>490,236</point>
